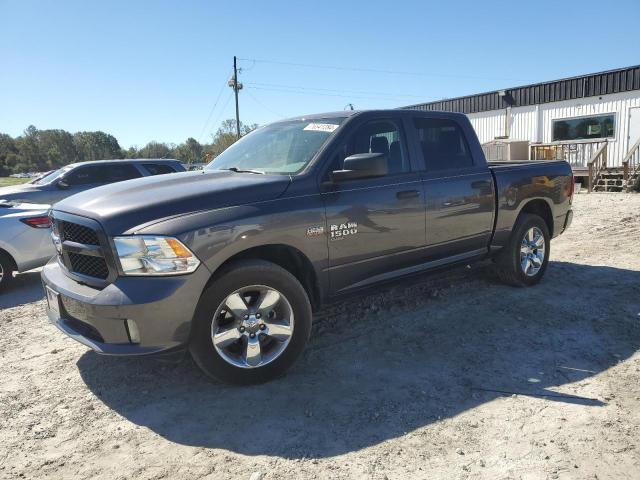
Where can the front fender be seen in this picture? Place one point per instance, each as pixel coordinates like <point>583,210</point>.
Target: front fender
<point>217,235</point>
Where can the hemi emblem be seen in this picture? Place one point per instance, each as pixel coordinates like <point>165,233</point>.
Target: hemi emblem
<point>315,231</point>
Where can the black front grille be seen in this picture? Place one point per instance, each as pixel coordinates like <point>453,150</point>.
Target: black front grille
<point>74,232</point>
<point>89,265</point>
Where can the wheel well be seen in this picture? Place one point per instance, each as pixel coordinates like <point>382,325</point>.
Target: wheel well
<point>542,209</point>
<point>7,255</point>
<point>289,258</point>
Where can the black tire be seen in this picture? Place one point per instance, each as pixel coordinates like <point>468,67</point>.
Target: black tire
<point>7,266</point>
<point>239,275</point>
<point>508,265</point>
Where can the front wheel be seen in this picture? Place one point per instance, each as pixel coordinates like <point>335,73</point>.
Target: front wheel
<point>251,323</point>
<point>524,260</point>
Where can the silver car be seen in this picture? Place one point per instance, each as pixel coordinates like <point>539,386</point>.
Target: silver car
<point>25,239</point>
<point>78,177</point>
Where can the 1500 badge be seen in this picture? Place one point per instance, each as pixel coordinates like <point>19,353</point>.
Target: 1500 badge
<point>342,230</point>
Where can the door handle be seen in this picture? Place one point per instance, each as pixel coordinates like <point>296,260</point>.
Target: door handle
<point>407,194</point>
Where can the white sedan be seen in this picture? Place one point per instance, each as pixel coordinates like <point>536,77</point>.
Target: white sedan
<point>25,240</point>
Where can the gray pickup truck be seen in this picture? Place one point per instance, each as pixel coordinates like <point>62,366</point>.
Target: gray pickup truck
<point>231,262</point>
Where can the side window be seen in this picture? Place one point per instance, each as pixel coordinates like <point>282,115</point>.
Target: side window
<point>82,176</point>
<point>117,173</point>
<point>383,136</point>
<point>158,169</point>
<point>443,144</point>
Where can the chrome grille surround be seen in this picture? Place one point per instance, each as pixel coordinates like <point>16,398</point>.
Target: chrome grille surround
<point>84,251</point>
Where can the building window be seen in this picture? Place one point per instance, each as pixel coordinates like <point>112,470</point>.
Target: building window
<point>584,128</point>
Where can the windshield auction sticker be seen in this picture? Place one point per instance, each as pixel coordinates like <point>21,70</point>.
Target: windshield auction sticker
<point>321,127</point>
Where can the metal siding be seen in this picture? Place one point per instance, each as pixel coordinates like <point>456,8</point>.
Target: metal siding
<point>487,125</point>
<point>603,83</point>
<point>617,103</point>
<point>525,121</point>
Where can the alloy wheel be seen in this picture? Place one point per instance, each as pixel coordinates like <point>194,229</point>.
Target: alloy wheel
<point>252,327</point>
<point>532,252</point>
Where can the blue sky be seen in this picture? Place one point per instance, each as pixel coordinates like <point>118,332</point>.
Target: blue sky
<point>144,70</point>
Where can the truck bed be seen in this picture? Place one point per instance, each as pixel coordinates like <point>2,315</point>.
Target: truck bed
<point>548,182</point>
<point>518,163</point>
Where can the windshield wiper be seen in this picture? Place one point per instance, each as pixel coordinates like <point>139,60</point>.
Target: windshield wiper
<point>244,170</point>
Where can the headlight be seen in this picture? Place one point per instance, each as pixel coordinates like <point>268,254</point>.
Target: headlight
<point>150,255</point>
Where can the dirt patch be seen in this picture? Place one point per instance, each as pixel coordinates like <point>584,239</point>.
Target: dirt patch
<point>452,376</point>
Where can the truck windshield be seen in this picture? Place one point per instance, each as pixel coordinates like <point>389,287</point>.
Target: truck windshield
<point>51,176</point>
<point>283,147</point>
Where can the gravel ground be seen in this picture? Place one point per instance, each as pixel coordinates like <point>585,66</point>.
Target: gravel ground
<point>449,376</point>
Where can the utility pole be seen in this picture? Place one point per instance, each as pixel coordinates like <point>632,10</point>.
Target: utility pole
<point>233,83</point>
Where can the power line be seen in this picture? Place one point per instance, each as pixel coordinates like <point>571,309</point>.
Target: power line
<point>334,90</point>
<point>204,127</point>
<point>263,105</point>
<point>375,70</point>
<point>303,92</point>
<point>223,109</point>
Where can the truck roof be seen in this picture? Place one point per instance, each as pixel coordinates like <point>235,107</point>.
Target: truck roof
<point>130,160</point>
<point>351,113</point>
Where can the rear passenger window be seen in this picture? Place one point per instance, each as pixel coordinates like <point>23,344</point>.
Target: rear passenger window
<point>158,169</point>
<point>117,173</point>
<point>443,144</point>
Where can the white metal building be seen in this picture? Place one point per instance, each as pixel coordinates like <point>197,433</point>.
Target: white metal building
<point>577,114</point>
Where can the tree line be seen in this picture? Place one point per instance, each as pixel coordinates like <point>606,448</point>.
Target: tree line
<point>43,150</point>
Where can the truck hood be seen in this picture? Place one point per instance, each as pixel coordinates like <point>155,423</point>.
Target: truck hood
<point>123,207</point>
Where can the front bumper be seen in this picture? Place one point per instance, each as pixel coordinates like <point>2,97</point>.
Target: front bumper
<point>161,307</point>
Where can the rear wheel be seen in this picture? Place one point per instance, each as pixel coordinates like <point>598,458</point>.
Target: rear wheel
<point>251,323</point>
<point>6,270</point>
<point>524,260</point>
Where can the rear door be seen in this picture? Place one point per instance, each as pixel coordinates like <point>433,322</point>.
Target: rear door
<point>374,226</point>
<point>458,189</point>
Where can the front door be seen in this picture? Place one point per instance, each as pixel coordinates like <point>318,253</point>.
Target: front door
<point>374,226</point>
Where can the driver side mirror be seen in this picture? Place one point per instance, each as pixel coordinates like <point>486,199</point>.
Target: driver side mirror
<point>62,184</point>
<point>362,165</point>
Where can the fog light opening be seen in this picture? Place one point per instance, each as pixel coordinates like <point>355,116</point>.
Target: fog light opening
<point>132,330</point>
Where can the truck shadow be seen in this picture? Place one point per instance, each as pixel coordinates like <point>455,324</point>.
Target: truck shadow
<point>25,288</point>
<point>384,365</point>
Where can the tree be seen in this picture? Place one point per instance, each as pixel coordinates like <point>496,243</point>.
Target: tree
<point>57,149</point>
<point>131,152</point>
<point>226,136</point>
<point>42,150</point>
<point>189,151</point>
<point>154,149</point>
<point>97,146</point>
<point>8,154</point>
<point>29,147</point>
